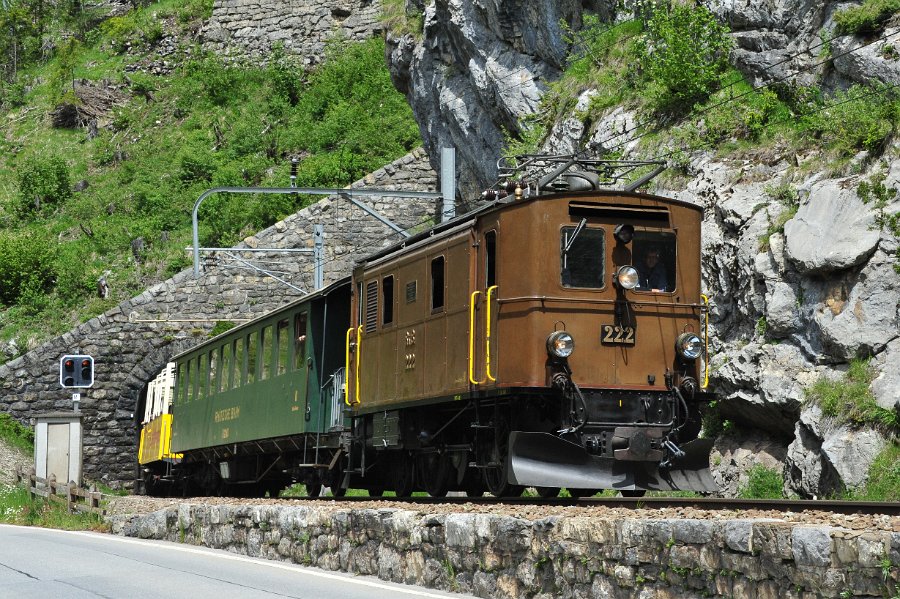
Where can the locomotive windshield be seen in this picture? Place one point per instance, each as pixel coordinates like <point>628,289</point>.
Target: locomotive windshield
<point>654,259</point>
<point>582,262</point>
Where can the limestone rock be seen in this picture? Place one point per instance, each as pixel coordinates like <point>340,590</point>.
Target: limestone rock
<point>827,456</point>
<point>860,60</point>
<point>886,386</point>
<point>833,230</point>
<point>858,316</point>
<point>733,457</point>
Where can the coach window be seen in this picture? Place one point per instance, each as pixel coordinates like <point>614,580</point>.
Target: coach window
<point>299,339</point>
<point>226,367</point>
<point>582,257</point>
<point>202,376</point>
<point>267,347</point>
<point>655,259</point>
<point>387,294</point>
<point>437,284</point>
<point>181,380</point>
<point>284,346</point>
<point>490,259</point>
<point>252,357</point>
<point>214,362</point>
<point>192,380</point>
<point>240,364</point>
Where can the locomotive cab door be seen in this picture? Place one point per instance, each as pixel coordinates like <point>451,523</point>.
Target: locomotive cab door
<point>484,308</point>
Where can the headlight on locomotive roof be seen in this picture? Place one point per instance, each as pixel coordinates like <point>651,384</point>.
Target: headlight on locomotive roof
<point>689,346</point>
<point>560,344</point>
<point>627,277</point>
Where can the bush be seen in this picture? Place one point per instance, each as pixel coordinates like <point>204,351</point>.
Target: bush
<point>684,54</point>
<point>763,483</point>
<point>870,17</point>
<point>860,118</point>
<point>43,184</point>
<point>219,82</point>
<point>26,266</point>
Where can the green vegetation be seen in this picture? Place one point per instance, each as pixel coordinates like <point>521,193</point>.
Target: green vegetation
<point>870,17</point>
<point>763,483</point>
<point>78,196</point>
<point>684,53</point>
<point>17,508</point>
<point>883,483</point>
<point>400,21</point>
<point>15,434</point>
<point>850,400</point>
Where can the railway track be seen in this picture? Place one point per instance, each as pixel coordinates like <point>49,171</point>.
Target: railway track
<point>697,503</point>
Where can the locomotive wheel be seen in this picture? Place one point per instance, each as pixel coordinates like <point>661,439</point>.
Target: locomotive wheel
<point>547,492</point>
<point>434,472</point>
<point>376,492</point>
<point>313,489</point>
<point>404,479</point>
<point>579,493</point>
<point>496,473</point>
<point>633,493</point>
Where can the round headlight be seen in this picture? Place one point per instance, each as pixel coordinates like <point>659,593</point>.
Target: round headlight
<point>560,344</point>
<point>627,277</point>
<point>689,346</point>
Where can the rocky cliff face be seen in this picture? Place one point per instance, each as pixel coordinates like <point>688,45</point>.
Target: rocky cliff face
<point>786,313</point>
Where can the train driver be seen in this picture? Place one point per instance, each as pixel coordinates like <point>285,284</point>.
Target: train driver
<point>652,272</point>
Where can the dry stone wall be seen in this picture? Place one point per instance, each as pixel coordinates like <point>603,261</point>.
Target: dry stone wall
<point>556,557</point>
<point>251,28</point>
<point>133,341</point>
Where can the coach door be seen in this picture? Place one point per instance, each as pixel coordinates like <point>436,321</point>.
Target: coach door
<point>483,311</point>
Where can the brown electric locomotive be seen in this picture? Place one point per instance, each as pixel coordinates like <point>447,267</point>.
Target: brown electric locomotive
<point>554,338</point>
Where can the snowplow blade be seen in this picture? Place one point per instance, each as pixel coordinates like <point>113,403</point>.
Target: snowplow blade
<point>545,460</point>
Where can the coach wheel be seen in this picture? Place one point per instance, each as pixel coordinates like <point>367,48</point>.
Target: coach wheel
<point>403,475</point>
<point>335,480</point>
<point>547,492</point>
<point>376,492</point>
<point>434,470</point>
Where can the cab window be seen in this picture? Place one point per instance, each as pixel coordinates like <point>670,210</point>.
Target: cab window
<point>654,259</point>
<point>582,255</point>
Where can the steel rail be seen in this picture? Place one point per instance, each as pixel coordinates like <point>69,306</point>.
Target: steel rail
<point>635,503</point>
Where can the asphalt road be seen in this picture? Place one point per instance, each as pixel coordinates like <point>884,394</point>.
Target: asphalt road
<point>42,563</point>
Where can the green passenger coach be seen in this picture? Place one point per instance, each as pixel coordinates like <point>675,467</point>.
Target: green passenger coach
<point>271,381</point>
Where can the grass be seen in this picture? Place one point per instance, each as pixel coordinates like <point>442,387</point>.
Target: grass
<point>16,434</point>
<point>206,123</point>
<point>763,483</point>
<point>850,400</point>
<point>17,508</point>
<point>869,17</point>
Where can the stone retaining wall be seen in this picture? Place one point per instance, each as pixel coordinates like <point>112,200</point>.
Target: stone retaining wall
<point>132,342</point>
<point>503,556</point>
<point>251,28</point>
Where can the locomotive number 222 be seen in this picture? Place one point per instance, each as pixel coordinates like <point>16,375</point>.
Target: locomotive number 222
<point>616,334</point>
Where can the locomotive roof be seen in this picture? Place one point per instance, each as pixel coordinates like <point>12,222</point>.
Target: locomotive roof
<point>342,282</point>
<point>502,203</point>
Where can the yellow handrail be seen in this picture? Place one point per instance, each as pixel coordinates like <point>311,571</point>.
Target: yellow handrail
<point>487,352</point>
<point>347,367</point>
<point>705,342</point>
<point>472,304</point>
<point>359,338</point>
